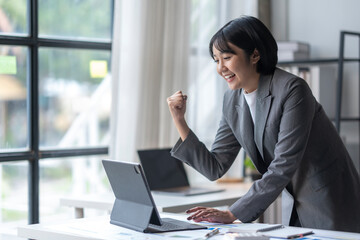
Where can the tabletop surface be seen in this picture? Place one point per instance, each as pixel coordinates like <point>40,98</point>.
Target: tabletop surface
<point>100,228</point>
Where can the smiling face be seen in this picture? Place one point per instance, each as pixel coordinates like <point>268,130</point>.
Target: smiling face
<point>238,70</point>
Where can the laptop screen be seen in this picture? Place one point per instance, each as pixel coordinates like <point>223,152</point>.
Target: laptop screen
<point>134,207</point>
<point>162,170</point>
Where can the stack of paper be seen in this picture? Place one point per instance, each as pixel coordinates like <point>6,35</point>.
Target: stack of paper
<point>291,51</point>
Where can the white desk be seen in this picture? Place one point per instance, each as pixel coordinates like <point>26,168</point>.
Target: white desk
<point>164,203</point>
<point>100,228</point>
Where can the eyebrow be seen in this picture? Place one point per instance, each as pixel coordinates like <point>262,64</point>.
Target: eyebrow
<point>224,52</point>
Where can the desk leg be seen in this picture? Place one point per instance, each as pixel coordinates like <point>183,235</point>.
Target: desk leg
<point>79,212</point>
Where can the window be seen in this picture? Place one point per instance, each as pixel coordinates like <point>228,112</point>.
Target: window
<point>206,87</point>
<point>206,19</point>
<point>55,99</point>
<point>74,105</point>
<point>13,97</point>
<point>72,176</point>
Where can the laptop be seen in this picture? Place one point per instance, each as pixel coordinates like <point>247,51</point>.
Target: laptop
<point>166,174</point>
<point>134,207</point>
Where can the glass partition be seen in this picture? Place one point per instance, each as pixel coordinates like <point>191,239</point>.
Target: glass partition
<point>74,97</point>
<point>14,17</point>
<point>13,97</point>
<point>13,196</point>
<point>64,177</point>
<point>77,20</point>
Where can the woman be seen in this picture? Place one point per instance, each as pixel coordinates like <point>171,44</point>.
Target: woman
<point>273,115</point>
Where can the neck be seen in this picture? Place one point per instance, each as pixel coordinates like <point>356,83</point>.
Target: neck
<point>253,84</point>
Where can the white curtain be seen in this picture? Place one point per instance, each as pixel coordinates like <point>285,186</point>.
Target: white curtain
<point>205,87</point>
<point>159,47</point>
<point>149,63</point>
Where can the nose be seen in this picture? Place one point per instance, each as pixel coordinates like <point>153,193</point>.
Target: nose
<point>221,67</point>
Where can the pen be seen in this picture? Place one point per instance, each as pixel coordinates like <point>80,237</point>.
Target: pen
<point>299,235</point>
<point>212,233</point>
<point>270,228</point>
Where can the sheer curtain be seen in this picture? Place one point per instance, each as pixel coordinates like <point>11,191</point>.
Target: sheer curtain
<point>159,47</point>
<point>149,63</point>
<point>205,87</point>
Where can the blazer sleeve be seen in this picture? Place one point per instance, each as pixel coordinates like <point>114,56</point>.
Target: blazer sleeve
<point>298,106</point>
<point>212,164</point>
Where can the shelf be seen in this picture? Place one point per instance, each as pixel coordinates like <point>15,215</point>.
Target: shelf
<point>305,65</point>
<point>347,119</point>
<point>318,61</point>
<point>310,61</point>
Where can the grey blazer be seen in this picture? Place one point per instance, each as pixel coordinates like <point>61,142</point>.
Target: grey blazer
<point>293,145</point>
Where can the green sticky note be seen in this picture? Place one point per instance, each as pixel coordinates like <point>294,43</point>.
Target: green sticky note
<point>7,65</point>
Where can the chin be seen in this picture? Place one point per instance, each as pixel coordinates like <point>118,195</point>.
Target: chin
<point>233,86</point>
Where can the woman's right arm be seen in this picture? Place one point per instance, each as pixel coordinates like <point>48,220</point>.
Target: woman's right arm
<point>212,164</point>
<point>177,107</point>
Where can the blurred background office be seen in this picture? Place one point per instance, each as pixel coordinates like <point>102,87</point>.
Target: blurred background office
<point>83,80</point>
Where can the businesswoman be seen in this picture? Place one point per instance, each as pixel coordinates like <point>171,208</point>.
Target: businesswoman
<point>273,115</point>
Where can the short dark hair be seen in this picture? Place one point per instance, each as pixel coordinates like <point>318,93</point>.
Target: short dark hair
<point>248,33</point>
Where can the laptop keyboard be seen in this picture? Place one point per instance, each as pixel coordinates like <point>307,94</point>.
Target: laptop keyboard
<point>166,226</point>
<point>170,224</point>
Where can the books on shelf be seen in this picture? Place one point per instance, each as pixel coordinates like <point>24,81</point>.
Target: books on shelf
<point>292,50</point>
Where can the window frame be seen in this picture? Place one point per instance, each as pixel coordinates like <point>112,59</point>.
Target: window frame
<point>33,155</point>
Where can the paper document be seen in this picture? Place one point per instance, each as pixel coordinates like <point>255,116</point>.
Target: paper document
<point>277,231</point>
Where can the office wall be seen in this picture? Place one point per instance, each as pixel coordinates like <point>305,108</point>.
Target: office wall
<point>319,23</point>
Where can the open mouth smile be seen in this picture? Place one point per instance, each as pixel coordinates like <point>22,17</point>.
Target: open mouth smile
<point>230,77</point>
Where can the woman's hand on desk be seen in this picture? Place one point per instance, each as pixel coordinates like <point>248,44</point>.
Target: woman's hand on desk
<point>210,215</point>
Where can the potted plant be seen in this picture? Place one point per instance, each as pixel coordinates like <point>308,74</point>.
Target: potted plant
<point>250,169</point>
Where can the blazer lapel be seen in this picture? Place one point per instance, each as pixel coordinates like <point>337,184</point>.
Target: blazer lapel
<point>263,103</point>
